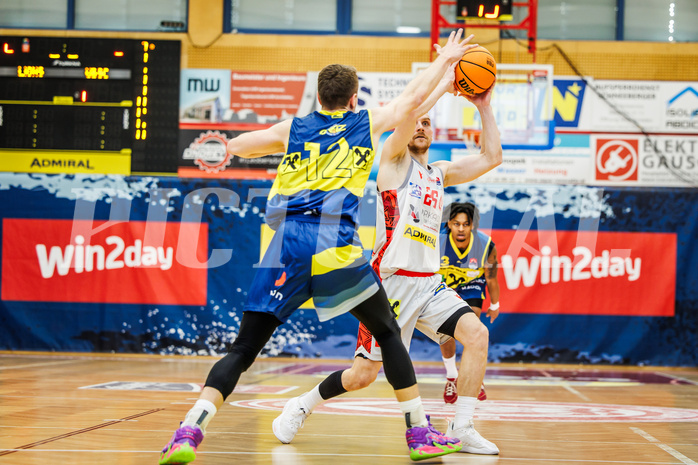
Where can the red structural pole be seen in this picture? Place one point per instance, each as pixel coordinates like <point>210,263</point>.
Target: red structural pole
<point>529,23</point>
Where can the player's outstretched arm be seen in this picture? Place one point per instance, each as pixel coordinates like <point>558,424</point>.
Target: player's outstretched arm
<point>255,144</point>
<point>417,91</point>
<point>490,156</point>
<point>395,146</point>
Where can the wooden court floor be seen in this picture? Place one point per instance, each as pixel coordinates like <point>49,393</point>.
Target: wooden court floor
<point>115,409</point>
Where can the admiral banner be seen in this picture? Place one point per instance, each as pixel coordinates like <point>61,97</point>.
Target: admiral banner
<point>587,273</point>
<point>46,260</point>
<point>55,162</point>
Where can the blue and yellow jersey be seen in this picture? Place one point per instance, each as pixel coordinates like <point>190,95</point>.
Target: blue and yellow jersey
<point>465,271</point>
<point>325,168</point>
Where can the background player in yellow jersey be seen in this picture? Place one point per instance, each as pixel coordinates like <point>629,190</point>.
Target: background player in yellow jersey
<point>407,258</point>
<point>315,251</point>
<point>468,265</point>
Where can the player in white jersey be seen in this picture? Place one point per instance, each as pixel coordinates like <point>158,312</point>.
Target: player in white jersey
<point>407,258</point>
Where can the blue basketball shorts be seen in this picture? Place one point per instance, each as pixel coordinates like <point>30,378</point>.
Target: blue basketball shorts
<point>315,260</point>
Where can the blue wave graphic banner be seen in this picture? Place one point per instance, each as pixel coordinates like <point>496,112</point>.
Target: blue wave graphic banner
<point>234,213</point>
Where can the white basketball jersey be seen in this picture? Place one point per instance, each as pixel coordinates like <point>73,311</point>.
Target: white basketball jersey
<point>408,237</point>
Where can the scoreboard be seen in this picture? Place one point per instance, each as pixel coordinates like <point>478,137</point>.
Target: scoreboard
<point>499,10</point>
<point>63,97</point>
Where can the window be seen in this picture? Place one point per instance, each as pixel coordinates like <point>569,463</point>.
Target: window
<point>128,15</point>
<point>285,15</point>
<point>646,20</point>
<point>120,15</point>
<point>671,20</point>
<point>34,13</point>
<point>394,16</point>
<point>577,20</point>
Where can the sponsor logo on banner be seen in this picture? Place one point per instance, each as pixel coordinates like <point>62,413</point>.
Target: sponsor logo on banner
<point>616,159</point>
<point>209,152</point>
<point>669,160</point>
<point>377,89</point>
<point>269,97</point>
<point>104,262</point>
<point>652,160</point>
<point>682,110</point>
<point>67,162</point>
<point>204,95</point>
<point>588,273</point>
<point>568,95</point>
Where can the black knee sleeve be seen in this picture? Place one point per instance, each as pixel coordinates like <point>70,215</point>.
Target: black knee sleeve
<point>397,364</point>
<point>255,330</point>
<point>226,372</point>
<point>375,313</point>
<point>332,386</point>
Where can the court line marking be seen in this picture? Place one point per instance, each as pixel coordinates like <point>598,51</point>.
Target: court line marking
<point>354,436</point>
<point>266,371</point>
<point>288,453</point>
<point>80,431</point>
<point>678,455</point>
<point>680,378</point>
<point>32,365</point>
<point>50,398</point>
<point>575,392</point>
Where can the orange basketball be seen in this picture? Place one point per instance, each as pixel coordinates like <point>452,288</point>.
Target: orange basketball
<point>476,71</point>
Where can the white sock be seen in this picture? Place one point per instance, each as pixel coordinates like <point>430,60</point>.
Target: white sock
<point>451,369</point>
<point>465,409</point>
<point>200,414</point>
<point>311,399</point>
<point>416,410</point>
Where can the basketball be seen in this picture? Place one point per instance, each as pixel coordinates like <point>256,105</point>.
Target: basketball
<point>476,71</point>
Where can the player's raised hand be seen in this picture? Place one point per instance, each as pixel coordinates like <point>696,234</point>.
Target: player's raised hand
<point>455,47</point>
<point>481,100</point>
<point>448,82</point>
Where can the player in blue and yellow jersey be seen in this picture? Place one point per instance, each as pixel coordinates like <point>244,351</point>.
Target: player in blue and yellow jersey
<point>315,251</point>
<point>468,265</point>
<point>407,257</point>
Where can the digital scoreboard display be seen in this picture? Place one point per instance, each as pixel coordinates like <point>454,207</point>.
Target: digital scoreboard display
<point>500,10</point>
<point>84,95</point>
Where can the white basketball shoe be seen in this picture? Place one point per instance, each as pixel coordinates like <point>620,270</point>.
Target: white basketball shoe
<point>472,442</point>
<point>291,420</point>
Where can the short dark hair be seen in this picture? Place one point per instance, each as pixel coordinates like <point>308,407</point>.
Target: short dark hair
<point>468,208</point>
<point>336,84</point>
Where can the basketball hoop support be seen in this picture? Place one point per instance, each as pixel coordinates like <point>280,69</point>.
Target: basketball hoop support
<point>530,23</point>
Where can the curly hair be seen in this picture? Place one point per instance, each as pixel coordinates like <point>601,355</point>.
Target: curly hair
<point>468,208</point>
